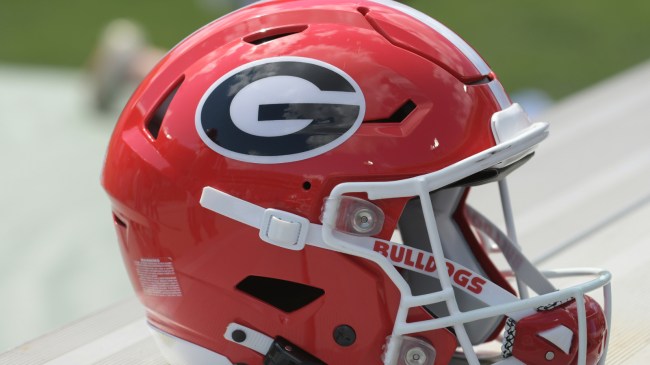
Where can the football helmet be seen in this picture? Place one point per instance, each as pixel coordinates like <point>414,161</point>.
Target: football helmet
<point>289,186</point>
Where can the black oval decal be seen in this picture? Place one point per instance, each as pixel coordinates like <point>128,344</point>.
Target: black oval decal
<point>279,110</point>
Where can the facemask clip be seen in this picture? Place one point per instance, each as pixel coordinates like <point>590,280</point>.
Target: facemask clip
<point>353,216</point>
<point>412,351</point>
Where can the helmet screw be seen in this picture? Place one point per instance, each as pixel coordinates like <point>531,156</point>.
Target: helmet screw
<point>550,355</point>
<point>416,356</point>
<point>238,336</point>
<point>364,221</point>
<point>344,335</point>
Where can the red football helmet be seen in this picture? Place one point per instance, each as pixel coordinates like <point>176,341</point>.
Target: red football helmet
<point>288,182</point>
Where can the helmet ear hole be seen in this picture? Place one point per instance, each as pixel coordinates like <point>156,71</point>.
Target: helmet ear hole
<point>306,185</point>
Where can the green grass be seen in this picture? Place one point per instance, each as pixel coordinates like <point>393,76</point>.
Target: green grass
<point>556,46</point>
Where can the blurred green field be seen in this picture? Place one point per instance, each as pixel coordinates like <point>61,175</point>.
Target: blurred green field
<point>556,46</point>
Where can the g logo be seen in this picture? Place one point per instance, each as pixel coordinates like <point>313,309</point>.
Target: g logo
<point>280,109</point>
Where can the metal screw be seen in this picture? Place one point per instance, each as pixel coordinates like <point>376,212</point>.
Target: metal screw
<point>238,336</point>
<point>344,335</point>
<point>416,356</point>
<point>550,355</point>
<point>364,221</point>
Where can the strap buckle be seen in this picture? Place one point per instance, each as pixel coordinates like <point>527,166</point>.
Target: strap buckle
<point>284,229</point>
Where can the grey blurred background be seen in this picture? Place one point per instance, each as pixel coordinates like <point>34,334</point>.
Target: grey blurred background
<point>59,259</point>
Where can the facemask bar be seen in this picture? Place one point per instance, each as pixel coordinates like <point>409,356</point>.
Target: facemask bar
<point>510,229</point>
<point>420,186</point>
<point>499,301</point>
<point>504,153</point>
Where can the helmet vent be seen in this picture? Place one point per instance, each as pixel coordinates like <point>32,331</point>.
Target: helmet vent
<point>287,296</point>
<point>399,115</point>
<point>480,81</point>
<point>118,221</point>
<point>155,120</point>
<point>273,34</point>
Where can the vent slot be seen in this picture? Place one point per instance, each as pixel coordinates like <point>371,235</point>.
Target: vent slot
<point>492,174</point>
<point>481,81</point>
<point>155,121</point>
<point>118,221</point>
<point>285,295</point>
<point>273,34</point>
<point>399,115</point>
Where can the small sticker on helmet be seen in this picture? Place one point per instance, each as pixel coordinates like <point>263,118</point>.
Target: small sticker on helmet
<point>157,277</point>
<point>280,109</point>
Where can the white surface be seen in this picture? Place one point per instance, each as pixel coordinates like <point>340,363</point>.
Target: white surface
<point>180,352</point>
<point>58,256</point>
<point>584,200</point>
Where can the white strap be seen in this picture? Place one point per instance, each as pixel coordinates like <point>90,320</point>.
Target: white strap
<point>410,258</point>
<point>276,227</point>
<point>249,338</point>
<point>232,207</point>
<point>521,266</point>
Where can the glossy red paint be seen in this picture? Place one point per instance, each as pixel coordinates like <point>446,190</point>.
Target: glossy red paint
<point>155,183</point>
<point>532,349</point>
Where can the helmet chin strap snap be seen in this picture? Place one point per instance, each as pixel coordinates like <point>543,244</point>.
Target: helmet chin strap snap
<point>248,337</point>
<point>278,351</point>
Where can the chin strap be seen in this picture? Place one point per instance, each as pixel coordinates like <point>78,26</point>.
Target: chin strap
<point>276,351</point>
<point>523,269</point>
